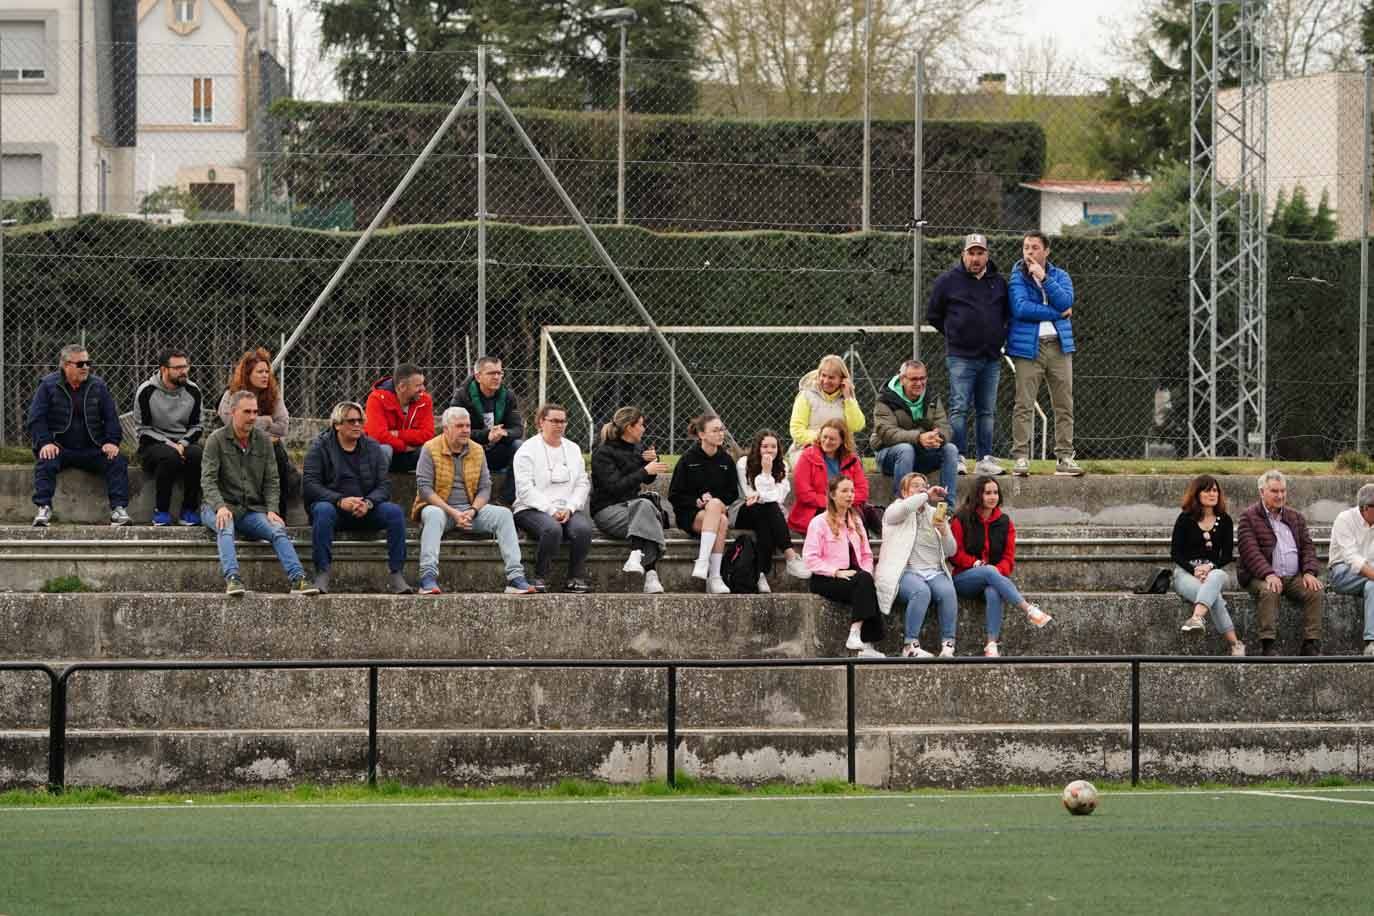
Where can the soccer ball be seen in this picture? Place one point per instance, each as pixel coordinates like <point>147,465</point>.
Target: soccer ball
<point>1080,797</point>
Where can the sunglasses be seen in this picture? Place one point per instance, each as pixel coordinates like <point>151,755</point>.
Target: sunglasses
<point>80,363</point>
<point>354,421</point>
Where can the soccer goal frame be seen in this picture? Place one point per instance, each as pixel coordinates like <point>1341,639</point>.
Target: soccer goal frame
<point>550,356</point>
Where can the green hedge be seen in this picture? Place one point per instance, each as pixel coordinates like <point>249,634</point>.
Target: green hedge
<point>684,173</point>
<point>218,287</point>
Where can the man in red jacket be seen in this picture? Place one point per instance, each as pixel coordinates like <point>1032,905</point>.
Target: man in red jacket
<point>1277,558</point>
<point>400,415</point>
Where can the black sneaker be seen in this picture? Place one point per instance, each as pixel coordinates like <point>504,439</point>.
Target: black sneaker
<point>1311,647</point>
<point>302,588</point>
<point>233,586</point>
<point>539,586</point>
<point>578,586</point>
<point>1268,648</point>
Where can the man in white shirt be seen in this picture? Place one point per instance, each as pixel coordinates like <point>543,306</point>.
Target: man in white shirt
<point>1352,557</point>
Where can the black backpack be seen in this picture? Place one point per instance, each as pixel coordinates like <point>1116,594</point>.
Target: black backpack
<point>739,568</point>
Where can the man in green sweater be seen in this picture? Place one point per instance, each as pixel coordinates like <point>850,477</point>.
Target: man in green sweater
<point>911,430</point>
<point>238,475</point>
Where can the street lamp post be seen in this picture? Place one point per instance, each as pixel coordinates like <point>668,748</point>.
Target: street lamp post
<point>622,17</point>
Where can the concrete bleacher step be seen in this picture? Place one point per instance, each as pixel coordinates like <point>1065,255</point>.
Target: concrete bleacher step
<point>787,625</point>
<point>895,757</point>
<point>1112,500</point>
<point>145,558</point>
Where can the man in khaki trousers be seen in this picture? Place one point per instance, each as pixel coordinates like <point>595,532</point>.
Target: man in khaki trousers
<point>1040,344</point>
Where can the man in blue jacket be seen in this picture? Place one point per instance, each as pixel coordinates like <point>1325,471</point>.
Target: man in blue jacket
<point>73,423</point>
<point>968,305</point>
<point>1040,344</point>
<point>347,486</point>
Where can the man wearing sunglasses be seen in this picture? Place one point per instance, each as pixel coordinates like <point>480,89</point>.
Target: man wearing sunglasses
<point>73,423</point>
<point>347,486</point>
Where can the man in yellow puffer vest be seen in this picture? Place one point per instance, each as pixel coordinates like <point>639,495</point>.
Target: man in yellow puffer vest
<point>449,459</point>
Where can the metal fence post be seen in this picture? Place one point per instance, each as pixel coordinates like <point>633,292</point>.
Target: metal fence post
<point>1364,253</point>
<point>1135,723</point>
<point>57,735</point>
<point>918,225</point>
<point>851,740</point>
<point>868,118</point>
<point>372,726</point>
<point>481,201</point>
<point>672,726</point>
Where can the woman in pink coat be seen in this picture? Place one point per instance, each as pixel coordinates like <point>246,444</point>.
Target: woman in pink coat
<point>841,564</point>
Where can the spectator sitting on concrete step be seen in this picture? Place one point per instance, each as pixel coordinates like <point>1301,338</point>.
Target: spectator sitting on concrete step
<point>400,416</point>
<point>496,422</point>
<point>551,490</point>
<point>1351,570</point>
<point>1202,548</point>
<point>763,489</point>
<point>911,430</point>
<point>253,372</point>
<point>1278,558</point>
<point>837,552</point>
<point>826,393</point>
<point>167,409</point>
<point>347,486</point>
<point>831,455</point>
<point>453,490</point>
<point>621,467</point>
<point>703,487</point>
<point>73,423</point>
<point>238,477</point>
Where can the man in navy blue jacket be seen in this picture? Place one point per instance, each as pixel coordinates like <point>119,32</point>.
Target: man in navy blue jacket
<point>968,305</point>
<point>73,423</point>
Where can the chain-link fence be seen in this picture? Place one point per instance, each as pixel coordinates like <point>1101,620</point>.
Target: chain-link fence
<point>225,207</point>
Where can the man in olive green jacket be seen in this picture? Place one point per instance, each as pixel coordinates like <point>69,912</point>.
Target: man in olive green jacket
<point>238,476</point>
<point>911,430</point>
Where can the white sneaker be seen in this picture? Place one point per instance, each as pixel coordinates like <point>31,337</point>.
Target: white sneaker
<point>869,652</point>
<point>963,467</point>
<point>43,517</point>
<point>716,586</point>
<point>1021,468</point>
<point>988,465</point>
<point>1238,648</point>
<point>1067,467</point>
<point>763,585</point>
<point>651,584</point>
<point>991,650</point>
<point>1036,617</point>
<point>855,642</point>
<point>947,649</point>
<point>701,569</point>
<point>797,569</point>
<point>914,650</point>
<point>635,564</point>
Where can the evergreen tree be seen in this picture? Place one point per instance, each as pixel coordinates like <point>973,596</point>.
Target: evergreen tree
<point>1324,222</point>
<point>1297,216</point>
<point>1280,208</point>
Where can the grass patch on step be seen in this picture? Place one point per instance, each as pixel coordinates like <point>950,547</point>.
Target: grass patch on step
<point>64,584</point>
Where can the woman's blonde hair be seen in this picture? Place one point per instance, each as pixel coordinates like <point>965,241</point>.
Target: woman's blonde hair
<point>621,420</point>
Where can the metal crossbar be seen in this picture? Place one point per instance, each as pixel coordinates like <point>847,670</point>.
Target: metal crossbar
<point>60,676</point>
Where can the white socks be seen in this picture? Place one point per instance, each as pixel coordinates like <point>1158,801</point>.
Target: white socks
<point>708,541</point>
<point>715,563</point>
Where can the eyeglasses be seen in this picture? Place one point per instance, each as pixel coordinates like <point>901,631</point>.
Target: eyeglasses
<point>178,367</point>
<point>354,421</point>
<point>918,378</point>
<point>562,421</point>
<point>80,363</point>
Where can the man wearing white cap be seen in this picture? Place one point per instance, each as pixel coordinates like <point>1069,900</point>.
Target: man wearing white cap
<point>968,305</point>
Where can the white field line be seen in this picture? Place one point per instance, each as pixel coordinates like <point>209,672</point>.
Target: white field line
<point>712,799</point>
<point>1313,798</point>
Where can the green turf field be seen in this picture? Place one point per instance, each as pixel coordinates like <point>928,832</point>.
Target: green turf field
<point>1300,851</point>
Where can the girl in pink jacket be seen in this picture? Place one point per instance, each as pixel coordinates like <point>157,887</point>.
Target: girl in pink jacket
<point>841,564</point>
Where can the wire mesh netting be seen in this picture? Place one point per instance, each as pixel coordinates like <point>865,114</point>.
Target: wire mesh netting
<point>207,209</point>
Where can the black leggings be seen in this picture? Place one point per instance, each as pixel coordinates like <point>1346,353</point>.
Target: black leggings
<point>858,594</point>
<point>771,534</point>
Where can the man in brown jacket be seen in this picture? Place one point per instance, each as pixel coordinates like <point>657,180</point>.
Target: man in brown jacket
<point>1277,558</point>
<point>911,430</point>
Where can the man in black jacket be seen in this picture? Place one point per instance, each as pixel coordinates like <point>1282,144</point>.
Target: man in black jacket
<point>347,486</point>
<point>496,422</point>
<point>968,305</point>
<point>73,423</point>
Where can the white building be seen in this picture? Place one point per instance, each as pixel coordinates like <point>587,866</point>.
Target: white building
<point>1074,203</point>
<point>1314,140</point>
<point>102,101</point>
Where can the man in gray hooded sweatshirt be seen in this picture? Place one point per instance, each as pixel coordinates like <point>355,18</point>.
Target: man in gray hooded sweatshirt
<point>167,408</point>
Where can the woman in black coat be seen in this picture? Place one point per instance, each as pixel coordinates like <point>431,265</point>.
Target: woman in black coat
<point>621,466</point>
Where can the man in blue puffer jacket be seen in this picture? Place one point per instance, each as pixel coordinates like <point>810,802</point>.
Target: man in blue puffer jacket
<point>73,423</point>
<point>1040,344</point>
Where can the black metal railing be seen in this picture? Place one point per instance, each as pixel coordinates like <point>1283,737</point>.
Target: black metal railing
<point>60,677</point>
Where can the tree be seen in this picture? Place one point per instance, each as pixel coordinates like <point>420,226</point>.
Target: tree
<point>805,58</point>
<point>1162,211</point>
<point>1367,29</point>
<point>425,50</point>
<point>1324,222</point>
<point>1312,36</point>
<point>1276,223</point>
<point>1295,222</point>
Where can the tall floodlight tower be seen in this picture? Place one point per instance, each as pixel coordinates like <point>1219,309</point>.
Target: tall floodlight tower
<point>1228,260</point>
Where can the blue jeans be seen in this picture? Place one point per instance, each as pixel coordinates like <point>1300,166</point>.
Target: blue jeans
<point>901,459</point>
<point>917,592</point>
<point>1346,581</point>
<point>253,526</point>
<point>494,520</point>
<point>115,471</point>
<point>973,383</point>
<point>325,517</point>
<point>988,583</point>
<point>1187,587</point>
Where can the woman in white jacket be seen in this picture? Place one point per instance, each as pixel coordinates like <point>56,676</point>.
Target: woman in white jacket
<point>763,488</point>
<point>551,489</point>
<point>912,565</point>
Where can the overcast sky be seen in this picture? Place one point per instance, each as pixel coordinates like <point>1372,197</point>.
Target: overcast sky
<point>1083,29</point>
